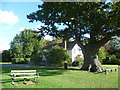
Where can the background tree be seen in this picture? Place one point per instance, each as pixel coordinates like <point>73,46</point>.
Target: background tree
<point>115,46</point>
<point>115,43</point>
<point>26,44</point>
<point>6,56</point>
<point>98,20</point>
<point>57,56</point>
<point>102,54</point>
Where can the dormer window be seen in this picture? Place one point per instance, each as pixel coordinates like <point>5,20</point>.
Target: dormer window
<point>79,49</point>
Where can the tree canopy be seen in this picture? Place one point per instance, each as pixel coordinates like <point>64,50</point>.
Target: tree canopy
<point>97,19</point>
<point>25,44</point>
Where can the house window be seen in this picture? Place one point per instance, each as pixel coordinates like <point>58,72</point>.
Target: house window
<point>78,49</point>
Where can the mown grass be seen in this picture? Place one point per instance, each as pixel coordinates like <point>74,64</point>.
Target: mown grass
<point>110,66</point>
<point>60,78</point>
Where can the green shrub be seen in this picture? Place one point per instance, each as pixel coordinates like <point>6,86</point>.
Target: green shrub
<point>102,54</point>
<point>35,59</point>
<point>27,60</point>
<point>75,63</point>
<point>6,56</point>
<point>112,59</point>
<point>15,60</point>
<point>20,60</point>
<point>57,56</point>
<point>79,61</point>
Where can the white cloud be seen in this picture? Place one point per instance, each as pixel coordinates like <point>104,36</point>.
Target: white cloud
<point>48,37</point>
<point>4,44</point>
<point>40,26</point>
<point>21,29</point>
<point>87,35</point>
<point>8,19</point>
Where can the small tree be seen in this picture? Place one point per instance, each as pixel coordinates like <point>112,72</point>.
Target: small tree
<point>102,54</point>
<point>57,56</point>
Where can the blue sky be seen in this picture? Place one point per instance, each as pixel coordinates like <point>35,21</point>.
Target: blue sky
<point>13,19</point>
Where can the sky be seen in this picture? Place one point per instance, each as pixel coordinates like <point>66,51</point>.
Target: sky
<point>13,20</point>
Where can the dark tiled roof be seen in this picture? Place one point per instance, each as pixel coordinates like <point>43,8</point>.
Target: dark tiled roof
<point>70,45</point>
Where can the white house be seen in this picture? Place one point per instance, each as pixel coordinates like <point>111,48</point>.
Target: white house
<point>73,49</point>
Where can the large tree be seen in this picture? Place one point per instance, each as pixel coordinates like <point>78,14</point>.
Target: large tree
<point>98,20</point>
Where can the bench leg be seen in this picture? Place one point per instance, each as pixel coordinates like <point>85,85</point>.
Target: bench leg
<point>24,79</point>
<point>12,81</point>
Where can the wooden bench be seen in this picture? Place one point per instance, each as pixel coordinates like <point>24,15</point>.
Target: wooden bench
<point>23,74</point>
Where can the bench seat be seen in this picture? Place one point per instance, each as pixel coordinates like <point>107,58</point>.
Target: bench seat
<point>25,77</point>
<point>25,74</point>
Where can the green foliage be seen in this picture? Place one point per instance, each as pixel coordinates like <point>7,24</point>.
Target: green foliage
<point>27,45</point>
<point>36,59</point>
<point>102,54</point>
<point>60,78</point>
<point>23,44</point>
<point>20,60</point>
<point>97,19</point>
<point>79,61</point>
<point>115,44</point>
<point>112,59</point>
<point>6,56</point>
<point>107,58</point>
<point>79,19</point>
<point>57,56</point>
<point>27,60</point>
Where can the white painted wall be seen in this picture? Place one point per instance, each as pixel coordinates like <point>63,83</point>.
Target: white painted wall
<point>76,51</point>
<point>70,52</point>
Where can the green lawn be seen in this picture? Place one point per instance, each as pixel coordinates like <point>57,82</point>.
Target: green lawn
<point>60,78</point>
<point>110,66</point>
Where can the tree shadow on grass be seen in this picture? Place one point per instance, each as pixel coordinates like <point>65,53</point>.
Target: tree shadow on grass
<point>40,71</point>
<point>51,72</point>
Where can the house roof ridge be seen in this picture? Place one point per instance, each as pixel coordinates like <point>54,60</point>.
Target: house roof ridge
<point>70,45</point>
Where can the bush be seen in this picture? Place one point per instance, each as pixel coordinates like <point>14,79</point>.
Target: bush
<point>20,60</point>
<point>35,59</point>
<point>27,60</point>
<point>57,56</point>
<point>6,56</point>
<point>75,63</point>
<point>112,59</point>
<point>102,54</point>
<point>78,61</point>
<point>15,60</point>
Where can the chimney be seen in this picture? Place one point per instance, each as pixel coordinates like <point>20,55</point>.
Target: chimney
<point>64,42</point>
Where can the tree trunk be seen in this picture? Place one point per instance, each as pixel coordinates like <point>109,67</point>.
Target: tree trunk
<point>91,61</point>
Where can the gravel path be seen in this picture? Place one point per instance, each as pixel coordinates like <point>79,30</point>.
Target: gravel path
<point>22,65</point>
<point>25,65</point>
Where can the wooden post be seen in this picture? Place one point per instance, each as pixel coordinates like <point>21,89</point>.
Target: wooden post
<point>115,69</point>
<point>106,71</point>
